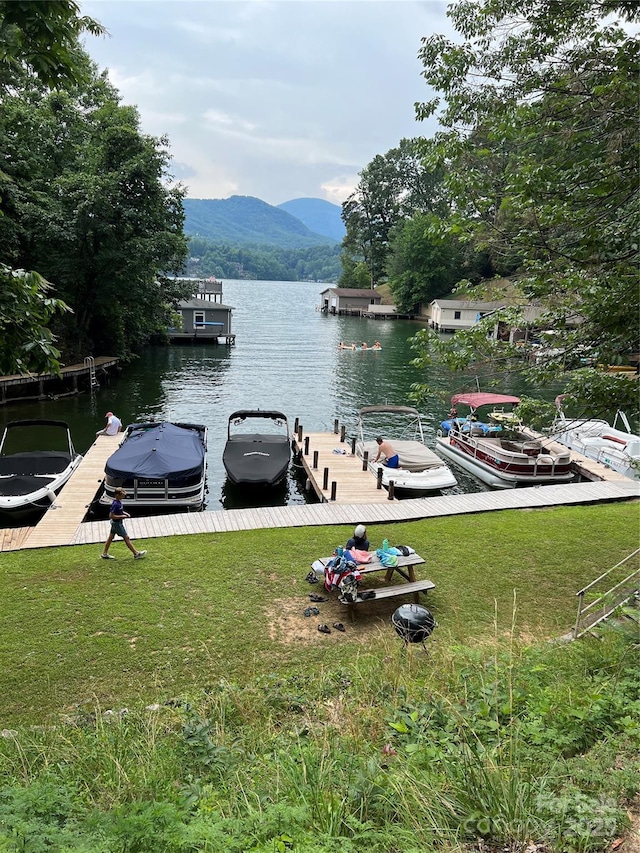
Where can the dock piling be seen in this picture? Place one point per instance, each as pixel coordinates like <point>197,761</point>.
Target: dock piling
<point>392,487</point>
<point>365,460</point>
<point>379,486</point>
<point>343,431</point>
<point>325,479</point>
<point>334,489</point>
<point>335,426</point>
<point>315,459</point>
<point>306,445</point>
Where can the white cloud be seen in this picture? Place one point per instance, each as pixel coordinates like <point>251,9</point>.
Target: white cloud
<point>273,99</point>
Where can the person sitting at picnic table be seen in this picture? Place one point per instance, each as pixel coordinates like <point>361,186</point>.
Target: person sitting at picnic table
<point>359,539</point>
<point>385,448</point>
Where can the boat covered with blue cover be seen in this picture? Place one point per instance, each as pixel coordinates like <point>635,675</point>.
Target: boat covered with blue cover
<point>160,464</point>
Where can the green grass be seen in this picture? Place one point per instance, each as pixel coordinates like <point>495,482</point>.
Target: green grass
<point>267,736</point>
<point>200,609</point>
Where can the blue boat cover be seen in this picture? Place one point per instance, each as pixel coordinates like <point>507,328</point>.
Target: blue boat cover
<point>163,451</point>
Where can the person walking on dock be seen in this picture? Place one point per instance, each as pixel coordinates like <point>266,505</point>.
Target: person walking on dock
<point>113,427</point>
<point>117,515</point>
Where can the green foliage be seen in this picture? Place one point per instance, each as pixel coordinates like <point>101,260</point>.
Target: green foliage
<point>26,307</point>
<point>422,263</point>
<point>542,156</point>
<point>86,202</point>
<point>391,188</point>
<point>42,38</point>
<point>262,263</point>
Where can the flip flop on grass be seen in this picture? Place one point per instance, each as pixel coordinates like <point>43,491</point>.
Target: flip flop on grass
<point>339,626</point>
<point>324,629</point>
<point>313,596</point>
<point>311,611</point>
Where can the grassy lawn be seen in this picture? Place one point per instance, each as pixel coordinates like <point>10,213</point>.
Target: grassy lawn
<point>206,608</point>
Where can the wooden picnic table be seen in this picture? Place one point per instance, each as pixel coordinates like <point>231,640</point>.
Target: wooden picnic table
<point>405,568</point>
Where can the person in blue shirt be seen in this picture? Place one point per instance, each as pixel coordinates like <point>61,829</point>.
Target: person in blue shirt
<point>117,515</point>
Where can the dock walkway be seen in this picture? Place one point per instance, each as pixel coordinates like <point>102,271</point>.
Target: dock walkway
<point>314,515</point>
<point>325,457</point>
<point>61,521</point>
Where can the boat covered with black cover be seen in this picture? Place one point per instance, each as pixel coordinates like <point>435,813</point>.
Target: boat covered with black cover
<point>257,458</point>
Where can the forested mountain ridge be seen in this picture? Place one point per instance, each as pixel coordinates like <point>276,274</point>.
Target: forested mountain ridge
<point>244,220</point>
<point>320,216</point>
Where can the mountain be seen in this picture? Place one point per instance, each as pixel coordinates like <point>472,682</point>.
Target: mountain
<point>318,215</point>
<point>246,220</point>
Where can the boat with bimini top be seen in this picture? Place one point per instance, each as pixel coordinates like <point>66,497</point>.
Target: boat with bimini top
<point>31,478</point>
<point>258,447</point>
<point>597,439</point>
<point>420,471</point>
<point>503,455</point>
<point>161,465</point>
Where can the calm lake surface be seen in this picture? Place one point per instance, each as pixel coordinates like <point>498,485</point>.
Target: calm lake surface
<point>286,357</point>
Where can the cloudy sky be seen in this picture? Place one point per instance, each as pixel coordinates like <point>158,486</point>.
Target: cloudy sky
<point>277,99</point>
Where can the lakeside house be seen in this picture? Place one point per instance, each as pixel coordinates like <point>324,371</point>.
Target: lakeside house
<point>348,300</point>
<point>204,317</point>
<point>453,315</point>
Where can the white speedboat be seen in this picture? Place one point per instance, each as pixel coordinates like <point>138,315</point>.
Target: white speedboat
<point>502,458</point>
<point>618,449</point>
<point>161,465</point>
<point>30,479</point>
<point>421,470</point>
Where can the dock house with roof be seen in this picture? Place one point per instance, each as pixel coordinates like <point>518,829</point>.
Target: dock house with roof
<point>348,300</point>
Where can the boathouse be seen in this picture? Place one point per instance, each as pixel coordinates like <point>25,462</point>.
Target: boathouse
<point>347,300</point>
<point>203,321</point>
<point>452,315</point>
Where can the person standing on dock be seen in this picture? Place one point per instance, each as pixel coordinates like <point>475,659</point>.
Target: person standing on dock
<point>117,515</point>
<point>385,448</point>
<point>113,427</point>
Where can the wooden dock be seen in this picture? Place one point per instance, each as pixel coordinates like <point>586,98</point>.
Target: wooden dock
<point>357,500</point>
<point>60,522</point>
<point>335,473</point>
<point>49,384</point>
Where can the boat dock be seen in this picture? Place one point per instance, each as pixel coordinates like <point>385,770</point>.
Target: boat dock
<point>86,374</point>
<point>61,521</point>
<point>335,473</point>
<point>357,498</point>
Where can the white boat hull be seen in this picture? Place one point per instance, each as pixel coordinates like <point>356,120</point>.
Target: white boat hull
<point>599,441</point>
<point>478,461</point>
<point>419,482</point>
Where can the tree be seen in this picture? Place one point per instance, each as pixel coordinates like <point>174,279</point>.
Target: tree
<point>422,263</point>
<point>540,150</point>
<point>391,187</point>
<point>41,40</point>
<point>26,307</point>
<point>90,205</point>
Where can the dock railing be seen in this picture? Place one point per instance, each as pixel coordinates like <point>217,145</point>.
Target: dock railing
<point>591,614</point>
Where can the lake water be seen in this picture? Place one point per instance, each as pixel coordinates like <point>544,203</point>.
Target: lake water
<point>286,357</point>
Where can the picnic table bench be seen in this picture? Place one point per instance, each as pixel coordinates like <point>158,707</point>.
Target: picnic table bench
<point>405,568</point>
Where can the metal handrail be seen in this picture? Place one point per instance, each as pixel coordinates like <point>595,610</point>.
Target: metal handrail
<point>582,609</point>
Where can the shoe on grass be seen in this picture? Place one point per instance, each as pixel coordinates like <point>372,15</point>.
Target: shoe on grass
<point>107,557</point>
<point>139,555</point>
